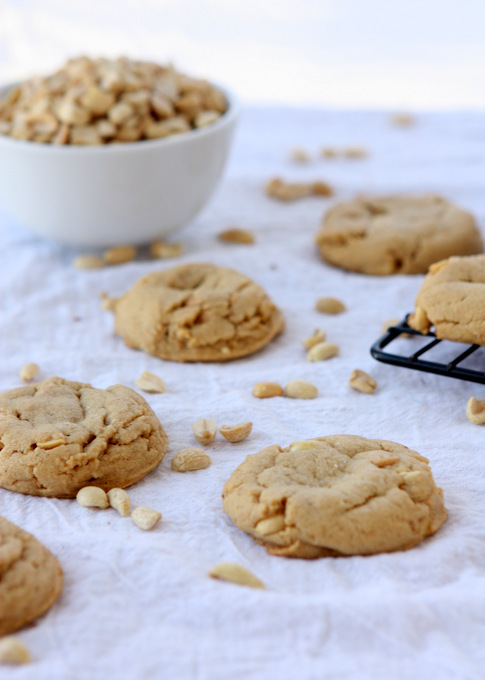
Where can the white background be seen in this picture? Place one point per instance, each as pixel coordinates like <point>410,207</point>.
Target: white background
<point>341,53</point>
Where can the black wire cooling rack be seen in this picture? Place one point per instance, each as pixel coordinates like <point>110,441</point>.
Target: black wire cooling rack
<point>451,369</point>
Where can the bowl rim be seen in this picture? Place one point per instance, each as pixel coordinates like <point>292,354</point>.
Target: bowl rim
<point>228,117</point>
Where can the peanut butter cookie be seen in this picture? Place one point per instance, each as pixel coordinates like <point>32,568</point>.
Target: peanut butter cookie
<point>338,495</point>
<point>197,312</point>
<point>396,234</point>
<point>452,299</point>
<point>30,578</point>
<point>58,436</point>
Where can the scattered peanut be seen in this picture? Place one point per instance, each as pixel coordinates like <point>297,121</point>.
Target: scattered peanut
<point>318,336</point>
<point>265,390</point>
<point>285,191</point>
<point>322,189</point>
<point>394,322</point>
<point>190,459</point>
<point>353,152</point>
<point>119,254</point>
<point>120,501</point>
<point>13,651</point>
<point>162,250</point>
<point>362,381</point>
<point>236,236</point>
<point>402,120</point>
<point>475,411</point>
<point>149,382</point>
<point>328,305</point>
<point>51,444</point>
<point>236,433</point>
<point>288,191</point>
<point>299,156</point>
<point>205,430</point>
<point>322,351</point>
<point>89,262</point>
<point>301,389</point>
<point>235,573</point>
<point>145,518</point>
<point>28,372</point>
<point>109,304</point>
<point>356,152</point>
<point>389,324</point>
<point>92,497</point>
<point>328,152</point>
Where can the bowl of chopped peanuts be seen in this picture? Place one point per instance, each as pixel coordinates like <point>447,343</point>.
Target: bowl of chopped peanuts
<point>104,151</point>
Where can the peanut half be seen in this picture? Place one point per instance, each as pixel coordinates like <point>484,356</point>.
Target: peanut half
<point>292,191</point>
<point>318,336</point>
<point>92,497</point>
<point>13,651</point>
<point>328,305</point>
<point>475,411</point>
<point>301,389</point>
<point>51,444</point>
<point>205,430</point>
<point>402,120</point>
<point>119,254</point>
<point>236,433</point>
<point>285,191</point>
<point>419,320</point>
<point>164,250</point>
<point>362,381</point>
<point>389,324</point>
<point>120,501</point>
<point>322,189</point>
<point>236,236</point>
<point>235,573</point>
<point>356,152</point>
<point>322,351</point>
<point>28,371</point>
<point>271,525</point>
<point>89,262</point>
<point>266,390</point>
<point>328,152</point>
<point>298,155</point>
<point>149,382</point>
<point>395,321</point>
<point>145,518</point>
<point>190,459</point>
<point>206,118</point>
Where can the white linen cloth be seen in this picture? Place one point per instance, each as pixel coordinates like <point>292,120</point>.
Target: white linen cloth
<point>139,605</point>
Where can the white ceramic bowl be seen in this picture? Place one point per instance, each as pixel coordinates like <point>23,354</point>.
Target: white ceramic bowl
<point>106,195</point>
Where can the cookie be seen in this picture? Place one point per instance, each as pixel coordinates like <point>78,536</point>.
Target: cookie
<point>30,578</point>
<point>335,496</point>
<point>396,234</point>
<point>58,436</point>
<point>197,312</point>
<point>452,299</point>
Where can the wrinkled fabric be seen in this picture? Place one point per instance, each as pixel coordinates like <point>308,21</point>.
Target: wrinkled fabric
<point>140,604</point>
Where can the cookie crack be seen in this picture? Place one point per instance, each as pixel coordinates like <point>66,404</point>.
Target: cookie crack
<point>366,501</point>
